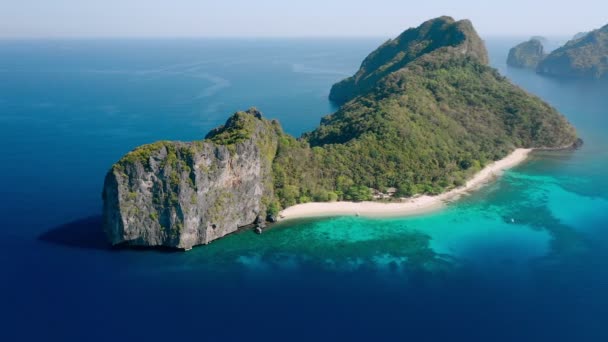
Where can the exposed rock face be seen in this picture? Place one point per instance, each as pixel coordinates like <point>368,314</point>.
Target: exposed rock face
<point>584,57</point>
<point>180,195</point>
<point>444,33</point>
<point>527,54</point>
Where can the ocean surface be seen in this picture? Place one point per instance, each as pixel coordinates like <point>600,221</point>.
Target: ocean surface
<point>523,259</point>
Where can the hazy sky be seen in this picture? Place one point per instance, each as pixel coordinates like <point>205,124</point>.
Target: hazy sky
<point>246,18</point>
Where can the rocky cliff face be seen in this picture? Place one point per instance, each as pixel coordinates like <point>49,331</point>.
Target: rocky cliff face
<point>584,57</point>
<point>442,34</point>
<point>180,195</point>
<point>527,54</point>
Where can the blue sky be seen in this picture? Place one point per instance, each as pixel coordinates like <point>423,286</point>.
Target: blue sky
<point>264,18</point>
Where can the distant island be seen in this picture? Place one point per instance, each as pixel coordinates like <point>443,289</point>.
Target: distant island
<point>586,56</point>
<point>527,54</point>
<point>423,117</point>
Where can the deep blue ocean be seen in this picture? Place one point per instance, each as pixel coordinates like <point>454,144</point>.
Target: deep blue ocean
<point>523,259</point>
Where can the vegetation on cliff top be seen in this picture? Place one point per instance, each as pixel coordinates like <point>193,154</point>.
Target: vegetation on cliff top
<point>239,127</point>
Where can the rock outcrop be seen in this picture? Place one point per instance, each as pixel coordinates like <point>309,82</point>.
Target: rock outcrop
<point>584,57</point>
<point>527,54</point>
<point>179,195</point>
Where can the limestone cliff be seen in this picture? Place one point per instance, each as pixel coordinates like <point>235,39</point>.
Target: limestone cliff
<point>527,54</point>
<point>180,195</point>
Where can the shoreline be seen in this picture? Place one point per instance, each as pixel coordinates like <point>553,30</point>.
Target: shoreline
<point>412,206</point>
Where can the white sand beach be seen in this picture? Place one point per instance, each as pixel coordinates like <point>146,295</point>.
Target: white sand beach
<point>411,206</point>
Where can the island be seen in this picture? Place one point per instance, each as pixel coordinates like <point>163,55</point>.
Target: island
<point>527,54</point>
<point>423,117</point>
<point>586,57</point>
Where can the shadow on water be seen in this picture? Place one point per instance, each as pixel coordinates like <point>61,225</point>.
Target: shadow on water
<point>83,233</point>
<point>87,233</point>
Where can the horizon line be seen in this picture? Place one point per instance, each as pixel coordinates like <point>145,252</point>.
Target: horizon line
<point>502,35</point>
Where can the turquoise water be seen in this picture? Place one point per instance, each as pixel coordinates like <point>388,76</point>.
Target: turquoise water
<point>524,219</point>
<point>523,258</point>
